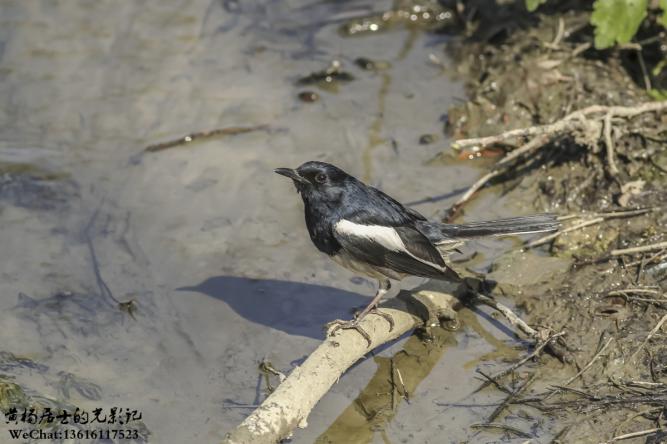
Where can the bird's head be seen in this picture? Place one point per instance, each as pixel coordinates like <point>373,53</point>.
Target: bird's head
<point>318,181</point>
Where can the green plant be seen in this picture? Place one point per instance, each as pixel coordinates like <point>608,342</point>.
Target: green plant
<point>615,21</point>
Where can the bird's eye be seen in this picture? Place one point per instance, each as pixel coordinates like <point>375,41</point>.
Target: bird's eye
<point>321,178</point>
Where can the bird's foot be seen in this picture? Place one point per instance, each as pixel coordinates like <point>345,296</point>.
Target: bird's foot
<point>384,315</point>
<point>334,326</point>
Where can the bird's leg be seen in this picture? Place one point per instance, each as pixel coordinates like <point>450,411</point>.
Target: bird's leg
<point>383,288</point>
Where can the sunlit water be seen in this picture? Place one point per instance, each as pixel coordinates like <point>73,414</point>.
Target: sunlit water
<point>207,241</point>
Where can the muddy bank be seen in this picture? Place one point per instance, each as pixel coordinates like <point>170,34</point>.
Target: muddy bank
<point>203,238</point>
<point>609,299</point>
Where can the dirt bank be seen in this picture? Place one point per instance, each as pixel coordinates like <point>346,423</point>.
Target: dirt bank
<point>610,302</point>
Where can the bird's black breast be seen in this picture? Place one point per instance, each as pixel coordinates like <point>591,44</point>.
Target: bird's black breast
<point>320,222</point>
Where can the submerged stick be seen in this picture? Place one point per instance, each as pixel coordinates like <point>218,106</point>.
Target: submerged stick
<point>219,132</point>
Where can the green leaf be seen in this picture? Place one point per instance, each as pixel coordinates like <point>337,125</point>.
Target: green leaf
<point>658,94</point>
<point>616,21</point>
<point>532,5</point>
<point>663,18</point>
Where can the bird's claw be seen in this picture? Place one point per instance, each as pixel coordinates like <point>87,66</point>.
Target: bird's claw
<point>348,325</point>
<point>334,326</point>
<point>387,317</point>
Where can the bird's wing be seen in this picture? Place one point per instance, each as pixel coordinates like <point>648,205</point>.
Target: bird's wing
<point>403,249</point>
<point>388,201</point>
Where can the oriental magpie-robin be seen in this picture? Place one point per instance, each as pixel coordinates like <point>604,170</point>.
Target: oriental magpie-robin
<point>370,233</point>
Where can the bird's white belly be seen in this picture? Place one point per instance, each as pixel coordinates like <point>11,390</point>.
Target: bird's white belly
<point>345,260</point>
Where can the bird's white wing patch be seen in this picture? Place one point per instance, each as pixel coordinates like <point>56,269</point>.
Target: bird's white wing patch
<point>385,236</point>
<point>373,243</point>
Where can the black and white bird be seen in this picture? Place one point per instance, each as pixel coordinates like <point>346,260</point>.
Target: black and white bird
<point>370,233</point>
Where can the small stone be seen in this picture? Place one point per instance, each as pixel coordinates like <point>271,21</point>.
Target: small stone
<point>426,139</point>
<point>309,96</point>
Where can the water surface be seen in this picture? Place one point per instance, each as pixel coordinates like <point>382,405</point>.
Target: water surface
<point>205,239</point>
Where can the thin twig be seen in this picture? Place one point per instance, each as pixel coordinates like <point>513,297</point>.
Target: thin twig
<point>640,249</point>
<point>229,131</point>
<point>590,363</point>
<point>597,218</point>
<point>650,335</point>
<point>512,396</point>
<point>642,65</point>
<point>551,236</point>
<point>527,358</point>
<point>491,380</point>
<point>511,317</point>
<point>405,394</point>
<point>633,435</point>
<point>559,34</point>
<point>505,427</point>
<point>498,169</point>
<point>611,156</point>
<point>626,291</point>
<point>563,125</point>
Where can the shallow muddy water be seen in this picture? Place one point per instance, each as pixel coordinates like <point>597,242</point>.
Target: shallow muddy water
<point>209,243</point>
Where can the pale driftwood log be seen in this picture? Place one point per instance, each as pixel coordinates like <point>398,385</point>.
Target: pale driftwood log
<point>290,404</point>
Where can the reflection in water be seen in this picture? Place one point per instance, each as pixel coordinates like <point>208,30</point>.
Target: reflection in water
<point>292,307</point>
<point>395,380</point>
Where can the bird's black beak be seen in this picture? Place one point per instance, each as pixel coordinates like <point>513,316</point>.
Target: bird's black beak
<point>289,172</point>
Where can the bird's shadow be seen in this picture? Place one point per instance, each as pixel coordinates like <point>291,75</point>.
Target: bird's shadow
<point>295,308</point>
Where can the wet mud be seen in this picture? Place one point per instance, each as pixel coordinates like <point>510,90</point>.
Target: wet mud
<point>610,305</point>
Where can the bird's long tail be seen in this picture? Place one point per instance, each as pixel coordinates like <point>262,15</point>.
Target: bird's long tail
<point>515,225</point>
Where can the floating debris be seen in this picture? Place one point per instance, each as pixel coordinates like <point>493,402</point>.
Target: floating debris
<point>327,78</point>
<point>371,65</point>
<point>428,15</point>
<point>426,139</point>
<point>129,307</point>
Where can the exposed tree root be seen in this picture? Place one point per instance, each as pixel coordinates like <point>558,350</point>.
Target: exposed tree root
<point>589,125</point>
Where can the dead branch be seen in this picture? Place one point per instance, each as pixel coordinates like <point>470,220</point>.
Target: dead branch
<point>511,317</point>
<point>291,402</point>
<point>588,121</point>
<point>533,144</point>
<point>289,405</point>
<point>516,321</point>
<point>567,123</point>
